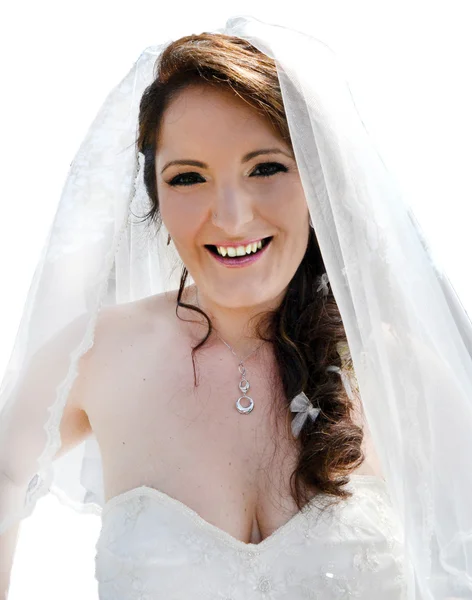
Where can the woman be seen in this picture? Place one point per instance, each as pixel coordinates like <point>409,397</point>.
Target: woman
<point>212,490</point>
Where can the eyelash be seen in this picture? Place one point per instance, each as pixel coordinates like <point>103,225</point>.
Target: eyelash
<point>280,168</point>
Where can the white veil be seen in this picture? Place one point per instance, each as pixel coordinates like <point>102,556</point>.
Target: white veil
<point>410,338</point>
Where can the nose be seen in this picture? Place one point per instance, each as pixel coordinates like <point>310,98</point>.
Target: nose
<point>232,211</point>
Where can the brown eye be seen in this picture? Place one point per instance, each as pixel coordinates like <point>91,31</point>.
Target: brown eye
<point>185,179</point>
<point>269,169</point>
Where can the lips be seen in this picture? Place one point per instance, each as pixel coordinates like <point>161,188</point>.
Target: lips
<point>239,261</point>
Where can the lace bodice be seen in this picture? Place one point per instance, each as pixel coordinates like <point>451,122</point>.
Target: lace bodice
<point>152,546</point>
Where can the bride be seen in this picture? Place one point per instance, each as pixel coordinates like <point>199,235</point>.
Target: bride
<point>231,441</point>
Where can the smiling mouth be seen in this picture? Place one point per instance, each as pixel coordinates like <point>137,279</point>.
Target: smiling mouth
<point>264,242</point>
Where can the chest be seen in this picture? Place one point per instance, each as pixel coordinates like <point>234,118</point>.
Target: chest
<point>156,428</point>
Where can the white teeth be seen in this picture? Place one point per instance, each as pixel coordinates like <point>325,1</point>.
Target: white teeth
<point>231,251</point>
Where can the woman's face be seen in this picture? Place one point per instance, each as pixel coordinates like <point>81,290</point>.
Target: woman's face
<point>221,197</point>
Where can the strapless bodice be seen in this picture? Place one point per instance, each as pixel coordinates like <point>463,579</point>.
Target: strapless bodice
<point>152,546</point>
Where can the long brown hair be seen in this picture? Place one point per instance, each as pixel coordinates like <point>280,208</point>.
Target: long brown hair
<point>306,330</point>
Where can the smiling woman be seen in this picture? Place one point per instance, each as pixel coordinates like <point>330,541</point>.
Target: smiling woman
<point>271,246</point>
<point>210,89</point>
<point>234,198</point>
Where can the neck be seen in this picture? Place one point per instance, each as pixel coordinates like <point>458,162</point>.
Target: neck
<point>236,326</point>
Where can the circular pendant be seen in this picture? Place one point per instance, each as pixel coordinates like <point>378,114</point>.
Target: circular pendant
<point>245,409</point>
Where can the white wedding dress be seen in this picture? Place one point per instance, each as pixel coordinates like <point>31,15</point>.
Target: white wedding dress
<point>152,546</point>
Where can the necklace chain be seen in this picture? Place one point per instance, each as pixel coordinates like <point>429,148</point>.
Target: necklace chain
<point>241,360</point>
<point>244,383</point>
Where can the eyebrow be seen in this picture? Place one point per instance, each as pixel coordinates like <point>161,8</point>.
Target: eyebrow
<point>247,157</point>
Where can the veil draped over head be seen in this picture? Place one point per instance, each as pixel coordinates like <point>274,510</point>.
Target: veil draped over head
<point>409,337</point>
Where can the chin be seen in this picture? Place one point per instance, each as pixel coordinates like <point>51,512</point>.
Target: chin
<point>245,296</point>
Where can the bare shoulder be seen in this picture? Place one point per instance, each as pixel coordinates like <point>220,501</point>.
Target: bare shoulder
<point>120,322</point>
<point>120,332</point>
<point>117,329</point>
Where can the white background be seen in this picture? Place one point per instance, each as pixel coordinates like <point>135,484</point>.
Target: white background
<point>409,68</point>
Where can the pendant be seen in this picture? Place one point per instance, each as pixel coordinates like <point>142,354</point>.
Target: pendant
<point>245,409</point>
<point>244,387</point>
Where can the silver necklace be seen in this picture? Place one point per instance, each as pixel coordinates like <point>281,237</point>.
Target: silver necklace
<point>243,383</point>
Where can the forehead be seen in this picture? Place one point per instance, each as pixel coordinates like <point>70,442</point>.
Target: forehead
<point>207,115</point>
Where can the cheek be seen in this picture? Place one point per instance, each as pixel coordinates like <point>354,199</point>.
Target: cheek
<point>180,217</point>
<point>286,207</point>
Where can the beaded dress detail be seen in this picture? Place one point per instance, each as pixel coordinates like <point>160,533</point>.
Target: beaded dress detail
<point>152,546</point>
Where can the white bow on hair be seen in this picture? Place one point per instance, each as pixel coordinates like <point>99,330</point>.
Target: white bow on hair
<point>323,284</point>
<point>345,379</point>
<point>302,405</point>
